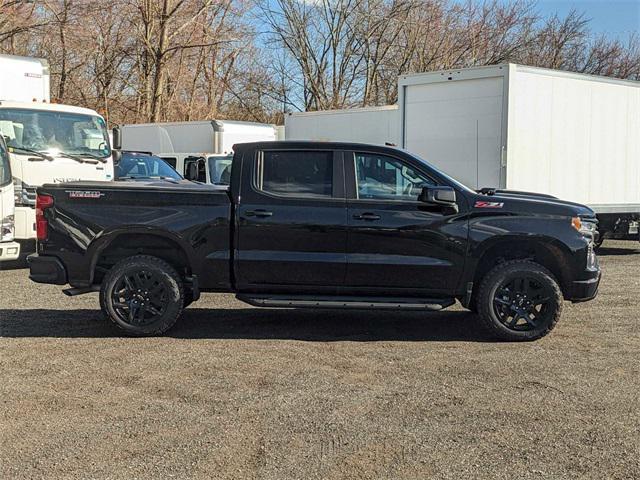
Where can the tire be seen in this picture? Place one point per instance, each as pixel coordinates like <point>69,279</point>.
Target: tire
<point>519,300</point>
<point>142,296</point>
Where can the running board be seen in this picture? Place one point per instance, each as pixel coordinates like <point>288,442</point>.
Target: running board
<point>309,301</point>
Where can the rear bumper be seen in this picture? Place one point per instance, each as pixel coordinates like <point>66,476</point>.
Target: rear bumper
<point>9,251</point>
<point>584,290</point>
<point>46,269</point>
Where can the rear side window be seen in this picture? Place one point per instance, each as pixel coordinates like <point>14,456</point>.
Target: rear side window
<point>295,173</point>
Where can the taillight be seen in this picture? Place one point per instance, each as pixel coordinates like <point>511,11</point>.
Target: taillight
<point>42,226</point>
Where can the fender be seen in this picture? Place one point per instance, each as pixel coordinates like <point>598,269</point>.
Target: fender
<point>104,239</point>
<point>553,235</point>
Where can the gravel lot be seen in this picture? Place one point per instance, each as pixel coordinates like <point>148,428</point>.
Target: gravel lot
<point>237,392</point>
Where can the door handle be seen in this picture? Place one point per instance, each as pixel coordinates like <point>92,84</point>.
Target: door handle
<point>366,216</point>
<point>258,213</point>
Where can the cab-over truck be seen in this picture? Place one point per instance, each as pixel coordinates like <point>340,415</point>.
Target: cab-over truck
<point>324,225</point>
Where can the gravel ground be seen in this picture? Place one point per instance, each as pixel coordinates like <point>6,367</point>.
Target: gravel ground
<point>237,392</point>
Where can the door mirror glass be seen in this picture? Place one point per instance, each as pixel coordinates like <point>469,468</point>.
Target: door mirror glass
<point>191,172</point>
<point>117,142</point>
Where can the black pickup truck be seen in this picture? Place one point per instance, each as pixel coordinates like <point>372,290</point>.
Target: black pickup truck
<point>325,225</point>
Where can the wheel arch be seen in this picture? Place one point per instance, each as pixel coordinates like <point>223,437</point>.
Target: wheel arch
<point>545,251</point>
<point>113,246</point>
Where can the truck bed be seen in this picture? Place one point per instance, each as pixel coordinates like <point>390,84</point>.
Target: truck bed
<point>184,216</point>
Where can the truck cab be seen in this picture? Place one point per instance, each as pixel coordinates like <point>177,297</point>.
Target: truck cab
<point>9,249</point>
<point>51,143</point>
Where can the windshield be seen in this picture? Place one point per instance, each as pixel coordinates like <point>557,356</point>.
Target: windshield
<point>50,132</point>
<point>452,181</point>
<point>5,169</point>
<point>144,166</point>
<point>220,169</point>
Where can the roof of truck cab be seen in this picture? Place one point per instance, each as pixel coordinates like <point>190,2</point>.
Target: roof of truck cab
<point>50,107</point>
<point>315,145</point>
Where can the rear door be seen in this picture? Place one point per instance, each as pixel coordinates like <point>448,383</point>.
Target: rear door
<point>396,244</point>
<point>292,221</point>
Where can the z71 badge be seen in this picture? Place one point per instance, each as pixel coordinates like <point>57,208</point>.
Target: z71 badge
<point>481,204</point>
<point>84,194</point>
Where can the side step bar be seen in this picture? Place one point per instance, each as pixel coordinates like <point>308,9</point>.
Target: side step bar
<point>341,302</point>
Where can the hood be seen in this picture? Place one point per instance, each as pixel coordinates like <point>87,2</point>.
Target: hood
<point>530,202</point>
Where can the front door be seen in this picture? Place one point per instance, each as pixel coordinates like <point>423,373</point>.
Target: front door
<point>292,221</point>
<point>396,244</point>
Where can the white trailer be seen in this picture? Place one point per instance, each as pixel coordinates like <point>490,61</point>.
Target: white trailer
<point>47,143</point>
<point>208,144</point>
<point>515,127</point>
<point>375,125</point>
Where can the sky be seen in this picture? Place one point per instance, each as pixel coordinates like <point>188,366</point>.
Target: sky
<point>615,18</point>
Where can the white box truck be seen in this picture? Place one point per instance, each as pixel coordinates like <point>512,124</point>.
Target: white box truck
<point>515,127</point>
<point>376,125</point>
<point>47,143</point>
<point>205,147</point>
<point>9,249</point>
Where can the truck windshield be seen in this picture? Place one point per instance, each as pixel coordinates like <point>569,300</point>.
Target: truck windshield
<point>5,169</point>
<point>141,166</point>
<point>220,169</point>
<point>50,132</point>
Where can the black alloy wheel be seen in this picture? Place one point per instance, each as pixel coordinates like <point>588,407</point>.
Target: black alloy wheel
<point>519,300</point>
<point>142,295</point>
<point>522,303</point>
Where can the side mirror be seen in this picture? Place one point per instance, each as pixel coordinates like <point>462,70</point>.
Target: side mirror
<point>442,195</point>
<point>192,171</point>
<point>117,140</point>
<point>117,156</point>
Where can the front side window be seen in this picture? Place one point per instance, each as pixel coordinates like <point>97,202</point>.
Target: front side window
<point>296,173</point>
<point>173,161</point>
<point>220,169</point>
<point>5,168</point>
<point>381,177</point>
<point>50,131</point>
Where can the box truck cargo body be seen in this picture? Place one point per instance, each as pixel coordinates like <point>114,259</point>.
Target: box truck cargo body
<point>208,144</point>
<point>514,127</point>
<point>24,79</point>
<point>376,125</point>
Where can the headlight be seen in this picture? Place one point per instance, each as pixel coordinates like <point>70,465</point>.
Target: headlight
<point>6,229</point>
<point>585,227</point>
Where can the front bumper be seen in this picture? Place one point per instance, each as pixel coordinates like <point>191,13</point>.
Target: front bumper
<point>46,269</point>
<point>9,251</point>
<point>585,290</point>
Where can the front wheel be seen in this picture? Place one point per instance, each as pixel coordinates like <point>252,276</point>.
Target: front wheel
<point>142,295</point>
<point>519,300</point>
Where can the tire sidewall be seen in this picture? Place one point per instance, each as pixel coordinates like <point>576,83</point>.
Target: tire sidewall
<point>497,279</point>
<point>174,291</point>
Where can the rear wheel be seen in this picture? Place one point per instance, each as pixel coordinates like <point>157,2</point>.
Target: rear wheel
<point>142,295</point>
<point>519,300</point>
